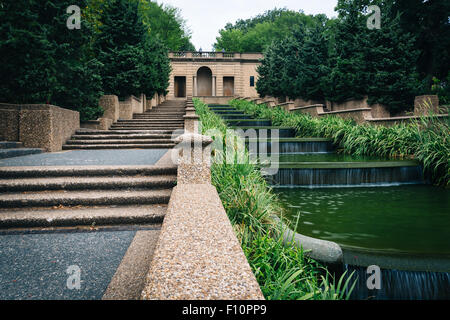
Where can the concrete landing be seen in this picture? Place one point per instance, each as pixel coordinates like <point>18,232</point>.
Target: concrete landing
<point>88,158</point>
<point>33,264</point>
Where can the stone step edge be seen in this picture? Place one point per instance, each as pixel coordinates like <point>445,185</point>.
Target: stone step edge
<point>86,183</point>
<point>82,216</point>
<point>80,198</point>
<point>72,171</point>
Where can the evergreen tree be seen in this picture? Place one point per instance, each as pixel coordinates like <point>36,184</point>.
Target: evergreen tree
<point>43,61</point>
<point>348,78</point>
<point>271,71</point>
<point>391,60</point>
<point>119,48</point>
<point>134,61</point>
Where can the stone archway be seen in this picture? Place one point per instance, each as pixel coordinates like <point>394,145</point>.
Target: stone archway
<point>204,82</point>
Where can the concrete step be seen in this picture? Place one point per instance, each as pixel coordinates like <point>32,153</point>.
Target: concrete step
<point>120,136</point>
<point>150,121</point>
<point>18,152</point>
<point>82,216</point>
<point>122,132</point>
<point>144,127</point>
<point>121,141</point>
<point>84,171</point>
<point>10,144</point>
<point>140,129</point>
<point>149,124</point>
<point>84,198</point>
<point>116,146</point>
<point>163,111</point>
<point>87,183</point>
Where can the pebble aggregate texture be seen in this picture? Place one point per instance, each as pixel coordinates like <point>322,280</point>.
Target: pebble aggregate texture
<point>110,105</point>
<point>194,164</point>
<point>198,256</point>
<point>38,125</point>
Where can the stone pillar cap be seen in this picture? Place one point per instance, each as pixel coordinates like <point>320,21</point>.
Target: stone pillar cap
<point>189,137</point>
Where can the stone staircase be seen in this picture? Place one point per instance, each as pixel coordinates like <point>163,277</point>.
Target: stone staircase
<point>149,130</point>
<point>65,196</point>
<point>10,149</point>
<point>84,195</point>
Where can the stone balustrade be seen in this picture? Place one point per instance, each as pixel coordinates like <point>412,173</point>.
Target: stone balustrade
<point>198,256</point>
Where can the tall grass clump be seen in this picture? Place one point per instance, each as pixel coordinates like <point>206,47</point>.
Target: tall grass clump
<point>426,139</point>
<point>281,269</point>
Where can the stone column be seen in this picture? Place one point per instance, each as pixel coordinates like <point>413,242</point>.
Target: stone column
<point>213,86</point>
<point>194,159</point>
<point>191,119</point>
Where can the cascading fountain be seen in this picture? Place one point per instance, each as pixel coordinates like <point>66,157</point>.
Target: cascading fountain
<point>380,212</point>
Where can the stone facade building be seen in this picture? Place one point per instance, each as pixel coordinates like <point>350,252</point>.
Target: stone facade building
<point>213,74</point>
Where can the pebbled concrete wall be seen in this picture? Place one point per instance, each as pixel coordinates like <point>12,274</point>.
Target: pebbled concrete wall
<point>38,125</point>
<point>198,256</point>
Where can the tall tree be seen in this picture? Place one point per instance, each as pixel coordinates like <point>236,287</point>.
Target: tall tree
<point>348,78</point>
<point>131,56</point>
<point>41,60</point>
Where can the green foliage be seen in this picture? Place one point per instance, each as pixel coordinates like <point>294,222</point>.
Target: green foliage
<point>281,269</point>
<point>426,139</point>
<point>256,34</point>
<point>165,23</point>
<point>442,89</point>
<point>428,22</point>
<point>42,61</point>
<point>342,59</point>
<point>133,61</point>
<point>295,66</point>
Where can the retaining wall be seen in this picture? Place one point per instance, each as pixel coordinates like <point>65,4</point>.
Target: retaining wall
<point>38,125</point>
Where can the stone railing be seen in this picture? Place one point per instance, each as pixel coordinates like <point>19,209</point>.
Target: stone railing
<point>359,110</point>
<point>38,125</point>
<point>198,256</point>
<point>214,55</point>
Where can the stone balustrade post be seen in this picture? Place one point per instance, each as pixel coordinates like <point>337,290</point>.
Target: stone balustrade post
<point>194,158</point>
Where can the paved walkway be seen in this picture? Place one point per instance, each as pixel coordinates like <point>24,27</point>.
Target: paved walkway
<point>88,158</point>
<point>33,265</point>
<point>113,260</point>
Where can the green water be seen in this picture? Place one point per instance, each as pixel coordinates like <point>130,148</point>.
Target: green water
<point>412,219</point>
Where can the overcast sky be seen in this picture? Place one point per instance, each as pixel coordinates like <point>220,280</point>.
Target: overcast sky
<point>206,17</point>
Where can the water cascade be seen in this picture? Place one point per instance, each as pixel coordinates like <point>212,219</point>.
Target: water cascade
<point>380,211</point>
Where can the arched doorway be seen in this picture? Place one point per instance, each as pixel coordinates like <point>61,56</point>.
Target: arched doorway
<point>204,82</point>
